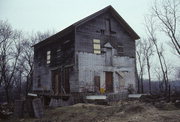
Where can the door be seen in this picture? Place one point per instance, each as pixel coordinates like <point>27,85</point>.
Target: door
<point>97,83</point>
<point>109,81</point>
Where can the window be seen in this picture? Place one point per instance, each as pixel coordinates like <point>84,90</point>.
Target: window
<point>48,57</point>
<point>96,46</point>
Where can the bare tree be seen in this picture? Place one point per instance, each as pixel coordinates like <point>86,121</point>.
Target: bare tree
<point>16,58</point>
<point>26,59</point>
<point>167,13</point>
<point>141,64</point>
<point>4,28</point>
<point>177,73</point>
<point>148,53</point>
<point>151,31</point>
<point>10,50</point>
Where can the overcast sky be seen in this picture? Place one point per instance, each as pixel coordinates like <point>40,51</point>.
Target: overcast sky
<point>42,15</point>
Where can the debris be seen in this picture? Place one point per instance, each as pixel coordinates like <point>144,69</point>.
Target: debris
<point>152,98</point>
<point>61,102</point>
<point>5,111</point>
<point>177,103</point>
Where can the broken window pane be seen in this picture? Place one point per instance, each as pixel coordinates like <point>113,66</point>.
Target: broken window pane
<point>97,51</point>
<point>48,62</point>
<point>48,57</point>
<point>48,52</point>
<point>96,46</point>
<point>96,41</point>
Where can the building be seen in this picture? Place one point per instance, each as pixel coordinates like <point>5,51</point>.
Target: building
<point>97,52</point>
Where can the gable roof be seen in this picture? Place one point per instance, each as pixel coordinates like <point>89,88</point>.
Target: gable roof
<point>109,8</point>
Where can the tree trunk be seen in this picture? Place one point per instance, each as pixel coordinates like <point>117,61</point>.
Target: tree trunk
<point>142,85</point>
<point>7,95</point>
<point>149,75</point>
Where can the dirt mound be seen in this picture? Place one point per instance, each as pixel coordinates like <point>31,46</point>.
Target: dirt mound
<point>135,109</point>
<point>123,111</point>
<point>86,105</point>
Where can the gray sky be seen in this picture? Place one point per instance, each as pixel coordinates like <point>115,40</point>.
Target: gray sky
<point>42,15</point>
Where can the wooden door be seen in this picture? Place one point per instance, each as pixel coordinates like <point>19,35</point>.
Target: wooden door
<point>109,82</point>
<point>97,83</point>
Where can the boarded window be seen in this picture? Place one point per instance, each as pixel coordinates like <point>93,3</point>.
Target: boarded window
<point>59,53</point>
<point>97,46</point>
<point>120,49</point>
<point>48,57</point>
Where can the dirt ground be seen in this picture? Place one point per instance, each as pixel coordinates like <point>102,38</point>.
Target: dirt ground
<point>126,111</point>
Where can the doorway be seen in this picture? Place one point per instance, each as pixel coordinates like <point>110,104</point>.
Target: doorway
<point>109,81</point>
<point>60,81</point>
<point>56,81</point>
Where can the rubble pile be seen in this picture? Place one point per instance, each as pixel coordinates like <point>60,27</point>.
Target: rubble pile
<point>5,111</point>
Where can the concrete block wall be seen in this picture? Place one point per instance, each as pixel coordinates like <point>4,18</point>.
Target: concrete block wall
<point>91,65</point>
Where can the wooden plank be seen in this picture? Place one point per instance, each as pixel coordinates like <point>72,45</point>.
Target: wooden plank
<point>38,108</point>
